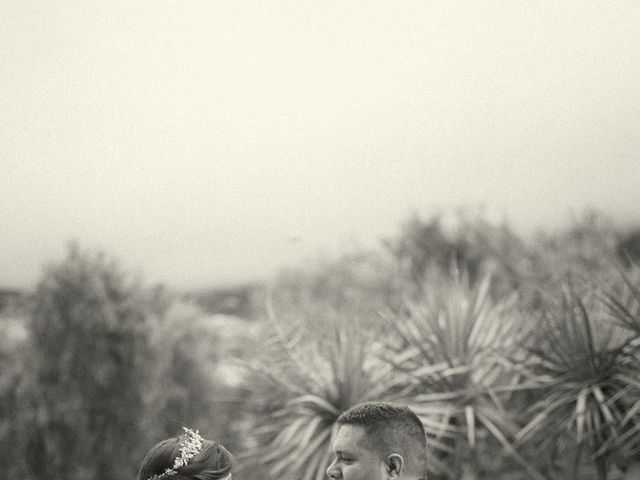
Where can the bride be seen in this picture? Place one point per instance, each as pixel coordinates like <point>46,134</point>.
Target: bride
<point>187,457</point>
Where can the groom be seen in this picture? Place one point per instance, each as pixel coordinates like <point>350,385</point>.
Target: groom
<point>379,441</point>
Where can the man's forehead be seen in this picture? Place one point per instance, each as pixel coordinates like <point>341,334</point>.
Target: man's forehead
<point>349,437</point>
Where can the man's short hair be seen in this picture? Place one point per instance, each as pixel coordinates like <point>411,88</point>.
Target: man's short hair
<point>391,428</point>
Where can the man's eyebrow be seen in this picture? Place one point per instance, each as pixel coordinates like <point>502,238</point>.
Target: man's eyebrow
<point>343,452</point>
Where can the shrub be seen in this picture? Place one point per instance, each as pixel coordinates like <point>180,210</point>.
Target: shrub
<point>88,336</point>
<point>301,383</point>
<point>586,399</point>
<point>453,347</point>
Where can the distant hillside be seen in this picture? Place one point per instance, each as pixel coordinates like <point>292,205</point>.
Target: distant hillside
<point>241,301</point>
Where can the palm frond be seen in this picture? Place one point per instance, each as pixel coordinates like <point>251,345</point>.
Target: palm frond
<point>315,380</point>
<point>586,376</point>
<point>454,344</point>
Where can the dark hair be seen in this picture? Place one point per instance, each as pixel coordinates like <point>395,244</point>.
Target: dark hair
<point>212,463</point>
<point>391,428</point>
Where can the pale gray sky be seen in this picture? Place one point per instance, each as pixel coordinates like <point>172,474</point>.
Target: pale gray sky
<point>192,139</point>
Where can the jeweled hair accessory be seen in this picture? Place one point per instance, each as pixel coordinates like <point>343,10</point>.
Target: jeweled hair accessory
<point>189,448</point>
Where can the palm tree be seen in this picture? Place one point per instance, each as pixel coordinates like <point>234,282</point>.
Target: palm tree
<point>453,345</point>
<point>586,376</point>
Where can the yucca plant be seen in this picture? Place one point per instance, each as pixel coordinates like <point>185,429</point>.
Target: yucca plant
<point>587,384</point>
<point>302,385</point>
<point>453,345</point>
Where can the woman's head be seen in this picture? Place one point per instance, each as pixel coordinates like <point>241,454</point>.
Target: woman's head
<point>188,457</point>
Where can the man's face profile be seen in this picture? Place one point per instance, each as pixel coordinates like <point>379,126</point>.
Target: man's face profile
<point>354,459</point>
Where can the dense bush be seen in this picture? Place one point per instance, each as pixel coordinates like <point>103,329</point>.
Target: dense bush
<point>88,337</point>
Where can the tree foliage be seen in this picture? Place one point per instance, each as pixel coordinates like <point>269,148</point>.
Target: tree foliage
<point>88,339</point>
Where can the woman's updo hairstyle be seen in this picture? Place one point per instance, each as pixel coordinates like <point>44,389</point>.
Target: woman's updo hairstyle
<point>212,462</point>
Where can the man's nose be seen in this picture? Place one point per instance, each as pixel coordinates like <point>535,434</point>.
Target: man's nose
<point>332,471</point>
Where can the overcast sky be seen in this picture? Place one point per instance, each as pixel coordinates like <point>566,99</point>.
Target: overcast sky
<point>195,139</point>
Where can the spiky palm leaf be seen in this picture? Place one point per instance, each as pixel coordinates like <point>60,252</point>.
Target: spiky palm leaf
<point>454,349</point>
<point>309,383</point>
<point>587,383</point>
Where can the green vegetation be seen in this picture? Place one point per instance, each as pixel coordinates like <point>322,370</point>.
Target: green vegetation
<point>521,356</point>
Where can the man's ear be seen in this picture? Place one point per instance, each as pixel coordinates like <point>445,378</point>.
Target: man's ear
<point>395,466</point>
